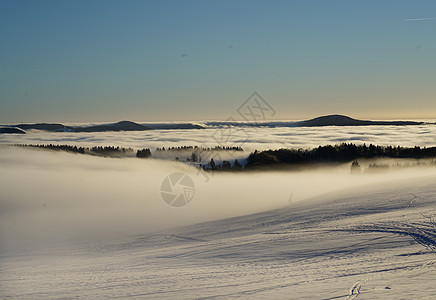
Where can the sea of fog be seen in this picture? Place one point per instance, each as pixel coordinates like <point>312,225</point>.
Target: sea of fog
<point>53,196</point>
<point>83,226</point>
<point>249,138</point>
<point>40,189</point>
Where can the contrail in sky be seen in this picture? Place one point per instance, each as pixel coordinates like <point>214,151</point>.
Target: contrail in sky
<point>418,19</point>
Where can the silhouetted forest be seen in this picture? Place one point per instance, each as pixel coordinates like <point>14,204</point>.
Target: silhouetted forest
<point>339,153</point>
<point>96,150</point>
<point>225,165</point>
<point>269,159</point>
<point>66,148</point>
<point>144,153</point>
<point>108,150</point>
<point>196,148</point>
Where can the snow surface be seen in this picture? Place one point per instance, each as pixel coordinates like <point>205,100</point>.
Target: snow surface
<point>376,241</point>
<point>74,226</point>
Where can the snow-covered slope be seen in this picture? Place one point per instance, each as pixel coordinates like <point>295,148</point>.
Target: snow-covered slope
<point>373,242</point>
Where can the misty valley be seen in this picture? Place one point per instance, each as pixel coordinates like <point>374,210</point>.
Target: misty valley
<point>193,149</point>
<point>342,219</point>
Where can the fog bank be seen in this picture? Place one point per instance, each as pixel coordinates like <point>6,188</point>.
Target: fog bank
<point>50,197</point>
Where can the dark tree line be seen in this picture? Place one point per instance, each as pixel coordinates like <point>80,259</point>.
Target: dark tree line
<point>196,148</point>
<point>144,153</point>
<point>339,153</point>
<point>224,166</point>
<point>97,150</point>
<point>270,158</point>
<point>109,150</point>
<point>66,148</point>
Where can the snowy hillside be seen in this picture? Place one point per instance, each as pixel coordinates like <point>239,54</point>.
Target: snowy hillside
<point>371,241</point>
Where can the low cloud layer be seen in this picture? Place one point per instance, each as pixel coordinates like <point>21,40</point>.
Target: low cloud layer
<point>47,197</point>
<point>248,138</point>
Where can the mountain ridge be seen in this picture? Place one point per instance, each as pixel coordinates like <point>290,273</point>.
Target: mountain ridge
<point>342,120</point>
<point>119,126</point>
<point>327,120</point>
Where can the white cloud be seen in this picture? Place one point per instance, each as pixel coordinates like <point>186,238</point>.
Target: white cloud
<point>249,138</point>
<point>47,196</point>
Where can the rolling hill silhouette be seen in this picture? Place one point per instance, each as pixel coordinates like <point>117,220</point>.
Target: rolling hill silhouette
<point>329,120</point>
<point>44,126</point>
<point>120,126</point>
<point>341,120</point>
<point>11,130</point>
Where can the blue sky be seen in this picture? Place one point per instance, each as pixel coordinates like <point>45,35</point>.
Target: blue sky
<point>199,60</point>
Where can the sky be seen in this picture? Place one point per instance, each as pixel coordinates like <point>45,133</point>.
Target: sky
<point>78,61</point>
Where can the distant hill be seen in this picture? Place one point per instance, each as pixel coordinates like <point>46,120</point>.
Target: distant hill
<point>44,126</point>
<point>330,120</point>
<point>340,120</point>
<point>120,126</point>
<point>11,130</point>
<point>167,126</point>
<point>54,127</point>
